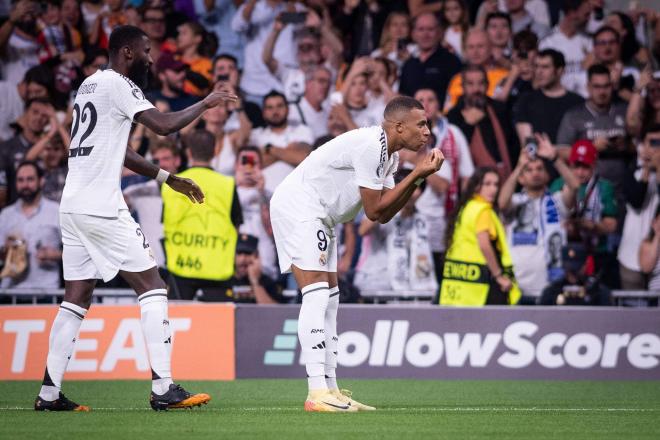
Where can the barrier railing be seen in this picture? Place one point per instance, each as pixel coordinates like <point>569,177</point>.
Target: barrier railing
<point>108,295</point>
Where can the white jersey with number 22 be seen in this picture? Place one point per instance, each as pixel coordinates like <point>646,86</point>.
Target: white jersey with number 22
<point>103,113</point>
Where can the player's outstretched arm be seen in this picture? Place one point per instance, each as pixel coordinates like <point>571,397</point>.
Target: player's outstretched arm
<point>166,123</point>
<point>381,206</point>
<point>138,164</point>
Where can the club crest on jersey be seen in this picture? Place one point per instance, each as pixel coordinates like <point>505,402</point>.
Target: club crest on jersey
<point>323,260</point>
<point>137,93</point>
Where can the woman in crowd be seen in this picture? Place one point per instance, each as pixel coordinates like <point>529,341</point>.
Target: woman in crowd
<point>455,20</point>
<point>394,41</point>
<point>478,269</point>
<point>644,106</point>
<point>632,53</point>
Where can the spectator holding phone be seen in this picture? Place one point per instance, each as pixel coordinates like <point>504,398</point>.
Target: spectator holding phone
<point>644,106</point>
<point>254,199</point>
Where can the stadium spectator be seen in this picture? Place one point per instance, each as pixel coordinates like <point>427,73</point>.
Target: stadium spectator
<point>418,7</point>
<point>227,142</point>
<point>476,237</point>
<point>521,74</point>
<point>30,234</point>
<point>195,48</point>
<point>534,218</point>
<point>360,23</point>
<point>649,254</point>
<point>308,56</point>
<point>225,70</point>
<point>381,81</point>
<point>522,20</point>
<point>216,17</point>
<point>568,38</point>
<point>255,20</point>
<point>433,66</point>
<point>172,74</point>
<point>146,202</point>
<point>90,10</point>
<point>313,107</point>
<point>394,40</point>
<point>353,104</point>
<point>153,24</point>
<point>485,123</point>
<point>36,83</point>
<point>19,48</point>
<point>249,284</point>
<point>632,52</point>
<point>37,115</point>
<point>578,286</point>
<point>541,110</point>
<point>110,16</point>
<point>254,199</point>
<point>72,16</point>
<point>444,186</point>
<point>53,160</point>
<point>396,256</point>
<point>498,29</point>
<point>595,215</point>
<point>283,145</point>
<point>644,106</point>
<point>478,52</point>
<point>94,60</point>
<point>200,243</point>
<point>455,20</point>
<point>641,195</point>
<point>602,121</point>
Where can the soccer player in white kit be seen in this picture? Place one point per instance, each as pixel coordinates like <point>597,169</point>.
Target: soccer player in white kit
<point>99,236</point>
<point>353,171</point>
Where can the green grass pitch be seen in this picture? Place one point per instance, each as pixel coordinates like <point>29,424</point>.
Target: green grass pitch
<point>408,409</point>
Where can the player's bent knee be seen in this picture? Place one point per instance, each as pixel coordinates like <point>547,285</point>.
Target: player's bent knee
<point>79,292</point>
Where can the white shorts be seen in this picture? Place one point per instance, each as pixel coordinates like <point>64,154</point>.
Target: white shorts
<point>308,244</point>
<point>99,247</point>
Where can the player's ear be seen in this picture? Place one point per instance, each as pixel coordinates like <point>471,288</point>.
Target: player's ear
<point>128,53</point>
<point>399,127</point>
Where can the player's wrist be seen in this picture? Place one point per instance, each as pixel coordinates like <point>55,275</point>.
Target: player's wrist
<point>162,176</point>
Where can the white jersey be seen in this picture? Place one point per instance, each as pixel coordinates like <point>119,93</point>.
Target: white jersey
<point>327,183</point>
<point>102,116</point>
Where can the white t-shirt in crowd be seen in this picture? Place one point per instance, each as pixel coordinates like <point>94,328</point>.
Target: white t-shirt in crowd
<point>304,113</point>
<point>575,50</point>
<point>637,225</point>
<point>146,201</point>
<point>11,108</point>
<point>251,202</point>
<point>327,183</point>
<point>431,206</point>
<point>256,78</point>
<point>102,117</point>
<point>368,116</point>
<point>20,55</point>
<point>262,136</point>
<point>454,39</point>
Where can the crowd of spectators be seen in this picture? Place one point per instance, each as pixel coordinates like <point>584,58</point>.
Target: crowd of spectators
<point>556,102</point>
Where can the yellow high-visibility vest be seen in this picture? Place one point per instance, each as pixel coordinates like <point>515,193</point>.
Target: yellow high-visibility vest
<point>200,239</point>
<point>465,276</point>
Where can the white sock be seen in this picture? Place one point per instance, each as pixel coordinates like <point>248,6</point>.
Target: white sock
<point>331,339</point>
<point>311,332</point>
<point>157,335</point>
<point>60,348</point>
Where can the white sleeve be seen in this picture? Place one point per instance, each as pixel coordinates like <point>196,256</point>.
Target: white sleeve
<point>370,169</point>
<point>465,163</point>
<point>389,175</point>
<point>128,98</point>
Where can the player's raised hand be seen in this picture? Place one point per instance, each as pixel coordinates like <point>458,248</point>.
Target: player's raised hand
<point>186,187</point>
<point>221,93</point>
<point>431,163</point>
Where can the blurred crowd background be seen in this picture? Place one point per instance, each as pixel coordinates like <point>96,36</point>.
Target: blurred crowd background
<point>547,110</point>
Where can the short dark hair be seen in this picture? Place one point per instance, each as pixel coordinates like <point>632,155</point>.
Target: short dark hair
<point>496,15</point>
<point>41,75</point>
<point>275,94</point>
<point>201,144</point>
<point>571,5</point>
<point>31,163</point>
<point>474,68</point>
<point>39,100</point>
<point>604,29</point>
<point>401,104</point>
<point>525,41</point>
<point>251,148</point>
<point>653,128</point>
<point>225,56</point>
<point>123,36</point>
<point>557,57</point>
<point>597,69</point>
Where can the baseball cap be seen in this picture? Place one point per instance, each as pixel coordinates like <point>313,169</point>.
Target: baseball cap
<point>583,151</point>
<point>246,244</point>
<point>166,61</point>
